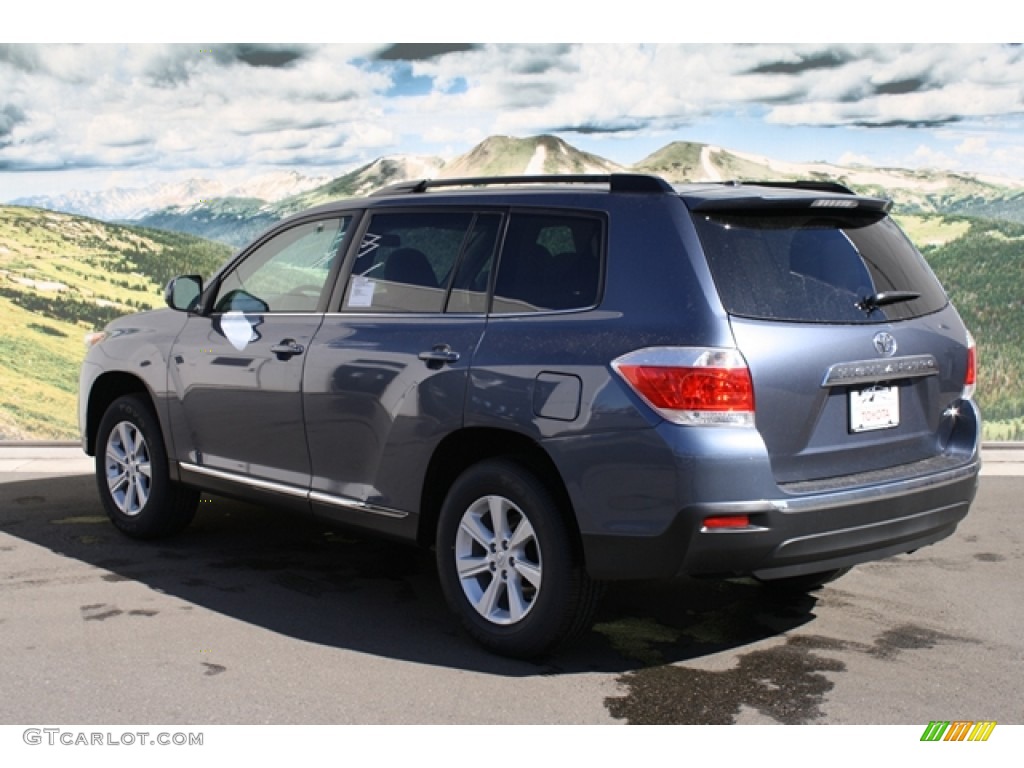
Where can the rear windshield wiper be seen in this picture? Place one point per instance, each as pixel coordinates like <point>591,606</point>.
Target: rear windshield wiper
<point>883,298</point>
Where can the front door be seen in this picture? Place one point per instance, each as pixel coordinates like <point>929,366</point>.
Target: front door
<point>236,370</point>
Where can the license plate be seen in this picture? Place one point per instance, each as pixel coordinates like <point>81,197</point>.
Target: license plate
<point>874,408</point>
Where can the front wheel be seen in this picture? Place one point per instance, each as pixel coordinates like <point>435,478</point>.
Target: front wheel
<point>132,475</point>
<point>507,565</point>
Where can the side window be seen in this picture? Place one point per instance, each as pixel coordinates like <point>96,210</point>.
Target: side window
<point>406,260</point>
<point>287,273</point>
<point>549,262</point>
<point>473,275</point>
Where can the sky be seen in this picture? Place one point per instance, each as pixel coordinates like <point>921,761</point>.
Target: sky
<point>100,115</point>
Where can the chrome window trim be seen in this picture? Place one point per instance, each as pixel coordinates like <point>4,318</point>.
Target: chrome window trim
<point>271,313</point>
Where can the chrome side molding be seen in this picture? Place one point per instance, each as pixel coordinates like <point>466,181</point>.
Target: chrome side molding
<point>291,490</point>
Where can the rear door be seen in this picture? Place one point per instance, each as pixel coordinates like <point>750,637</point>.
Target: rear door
<point>386,375</point>
<point>856,356</point>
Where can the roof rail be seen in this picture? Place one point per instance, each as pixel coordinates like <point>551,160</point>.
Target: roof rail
<point>617,182</point>
<point>813,185</point>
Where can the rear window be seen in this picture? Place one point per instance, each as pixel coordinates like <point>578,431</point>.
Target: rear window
<point>809,267</point>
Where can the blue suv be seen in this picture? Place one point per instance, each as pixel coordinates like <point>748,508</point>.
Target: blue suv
<point>557,382</point>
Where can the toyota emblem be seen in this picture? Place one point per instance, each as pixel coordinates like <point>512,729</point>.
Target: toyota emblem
<point>885,344</point>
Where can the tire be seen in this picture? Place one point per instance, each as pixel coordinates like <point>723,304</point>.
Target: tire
<point>805,583</point>
<point>132,474</point>
<point>506,562</point>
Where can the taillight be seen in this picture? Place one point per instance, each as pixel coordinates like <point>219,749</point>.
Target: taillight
<point>692,385</point>
<point>971,377</point>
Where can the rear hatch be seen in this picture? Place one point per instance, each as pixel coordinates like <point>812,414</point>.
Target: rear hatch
<point>857,358</point>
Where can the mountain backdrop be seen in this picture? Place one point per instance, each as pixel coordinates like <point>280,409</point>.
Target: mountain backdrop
<point>234,216</point>
<point>70,264</point>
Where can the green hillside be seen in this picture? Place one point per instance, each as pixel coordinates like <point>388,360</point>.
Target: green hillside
<point>983,271</point>
<point>61,276</point>
<point>677,161</point>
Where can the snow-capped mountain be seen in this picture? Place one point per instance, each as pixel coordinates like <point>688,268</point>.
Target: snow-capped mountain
<point>127,204</point>
<point>235,214</point>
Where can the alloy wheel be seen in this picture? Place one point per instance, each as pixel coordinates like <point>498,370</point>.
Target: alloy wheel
<point>498,560</point>
<point>129,469</point>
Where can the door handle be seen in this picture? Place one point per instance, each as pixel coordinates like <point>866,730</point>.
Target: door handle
<point>440,355</point>
<point>286,348</point>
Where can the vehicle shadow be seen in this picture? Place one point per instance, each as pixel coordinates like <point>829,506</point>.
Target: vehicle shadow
<point>296,576</point>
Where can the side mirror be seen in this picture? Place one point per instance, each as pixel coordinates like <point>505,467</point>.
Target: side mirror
<point>182,293</point>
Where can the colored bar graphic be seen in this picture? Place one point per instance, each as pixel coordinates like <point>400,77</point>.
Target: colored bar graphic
<point>958,730</point>
<point>935,730</point>
<point>982,730</point>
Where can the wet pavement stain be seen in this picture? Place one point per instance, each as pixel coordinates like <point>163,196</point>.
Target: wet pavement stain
<point>213,669</point>
<point>909,637</point>
<point>90,539</point>
<point>300,584</point>
<point>785,683</point>
<point>638,638</point>
<point>93,612</point>
<point>96,613</point>
<point>82,520</point>
<point>989,557</point>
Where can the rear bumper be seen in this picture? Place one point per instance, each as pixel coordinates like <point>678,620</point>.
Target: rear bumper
<point>820,532</point>
<point>795,534</point>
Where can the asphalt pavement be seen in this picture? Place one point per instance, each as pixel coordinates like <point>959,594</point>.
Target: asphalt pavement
<point>254,615</point>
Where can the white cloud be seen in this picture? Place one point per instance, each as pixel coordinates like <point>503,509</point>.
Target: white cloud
<point>90,104</point>
<point>973,145</point>
<point>181,107</point>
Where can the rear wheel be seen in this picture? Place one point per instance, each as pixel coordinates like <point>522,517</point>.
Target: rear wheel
<point>806,582</point>
<point>132,473</point>
<point>507,565</point>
